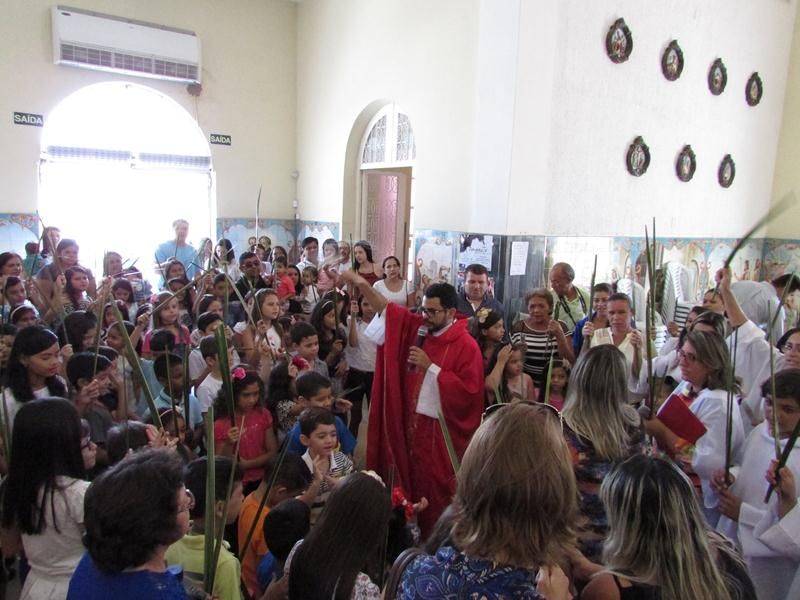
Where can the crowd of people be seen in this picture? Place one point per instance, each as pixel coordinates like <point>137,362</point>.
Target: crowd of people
<point>551,454</point>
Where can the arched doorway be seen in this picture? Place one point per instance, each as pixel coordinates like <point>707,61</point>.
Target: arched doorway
<point>119,162</point>
<point>384,211</point>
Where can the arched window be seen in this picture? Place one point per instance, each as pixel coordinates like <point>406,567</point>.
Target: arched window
<point>389,141</point>
<point>119,162</point>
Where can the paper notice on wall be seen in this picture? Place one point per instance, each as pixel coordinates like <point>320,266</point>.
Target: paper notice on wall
<point>519,258</point>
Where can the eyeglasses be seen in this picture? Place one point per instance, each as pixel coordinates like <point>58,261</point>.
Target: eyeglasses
<point>188,504</point>
<point>431,312</point>
<point>541,407</point>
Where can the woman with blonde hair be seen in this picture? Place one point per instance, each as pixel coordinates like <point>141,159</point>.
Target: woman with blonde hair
<point>658,546</point>
<point>513,512</point>
<point>601,428</point>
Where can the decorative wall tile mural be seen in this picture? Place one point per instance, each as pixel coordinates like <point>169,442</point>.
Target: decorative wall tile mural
<point>281,232</point>
<point>16,230</point>
<point>436,256</point>
<point>690,263</point>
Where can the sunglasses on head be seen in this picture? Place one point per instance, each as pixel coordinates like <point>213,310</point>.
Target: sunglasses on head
<point>541,406</point>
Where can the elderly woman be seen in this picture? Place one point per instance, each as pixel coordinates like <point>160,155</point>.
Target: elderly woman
<point>543,336</point>
<point>696,438</point>
<point>513,512</point>
<point>132,513</point>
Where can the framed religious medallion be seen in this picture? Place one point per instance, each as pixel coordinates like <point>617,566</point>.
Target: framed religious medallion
<point>686,164</point>
<point>754,90</point>
<point>638,157</point>
<point>672,61</point>
<point>619,42</point>
<point>726,171</point>
<point>717,77</point>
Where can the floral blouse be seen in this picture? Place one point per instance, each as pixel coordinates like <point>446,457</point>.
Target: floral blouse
<point>590,470</point>
<point>451,574</point>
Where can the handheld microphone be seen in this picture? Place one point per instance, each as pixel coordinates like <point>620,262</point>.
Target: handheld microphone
<point>422,332</point>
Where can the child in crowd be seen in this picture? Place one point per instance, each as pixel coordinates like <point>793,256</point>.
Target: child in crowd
<point>188,552</point>
<point>305,344</point>
<point>125,438</point>
<point>77,284</point>
<point>360,357</point>
<point>208,390</point>
<point>207,324</point>
<point>310,293</point>
<point>7,334</point>
<point>168,369</point>
<point>175,429</point>
<point>281,394</point>
<point>506,381</point>
<point>295,307</point>
<point>283,527</point>
<point>292,480</point>
<point>185,297</point>
<point>250,421</point>
<point>261,341</point>
<point>166,315</point>
<point>318,436</point>
<point>122,290</point>
<point>114,338</point>
<point>42,504</point>
<point>110,315</point>
<point>559,378</point>
<point>284,285</point>
<point>24,316</point>
<point>88,447</point>
<point>332,341</point>
<point>33,370</point>
<point>91,377</point>
<point>78,331</point>
<point>314,391</point>
<point>341,556</point>
<point>742,499</point>
<point>488,330</point>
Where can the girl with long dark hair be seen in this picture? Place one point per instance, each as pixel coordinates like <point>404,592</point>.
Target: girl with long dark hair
<point>43,496</point>
<point>33,370</point>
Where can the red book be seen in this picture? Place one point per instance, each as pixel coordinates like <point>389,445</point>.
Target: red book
<point>675,414</point>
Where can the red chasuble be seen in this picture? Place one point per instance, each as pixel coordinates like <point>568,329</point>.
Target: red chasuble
<point>411,442</point>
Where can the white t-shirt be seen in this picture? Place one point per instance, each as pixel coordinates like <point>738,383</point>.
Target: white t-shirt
<point>207,392</point>
<point>400,297</point>
<point>361,357</point>
<point>53,555</point>
<point>13,405</point>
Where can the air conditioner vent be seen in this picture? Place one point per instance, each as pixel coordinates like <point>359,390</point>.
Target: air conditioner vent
<point>107,43</point>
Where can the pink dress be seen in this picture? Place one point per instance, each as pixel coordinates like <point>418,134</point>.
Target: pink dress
<point>256,424</point>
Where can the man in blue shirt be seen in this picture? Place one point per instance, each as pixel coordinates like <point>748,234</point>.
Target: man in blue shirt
<point>177,248</point>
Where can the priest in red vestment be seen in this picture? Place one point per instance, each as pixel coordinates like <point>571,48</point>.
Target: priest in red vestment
<point>426,364</point>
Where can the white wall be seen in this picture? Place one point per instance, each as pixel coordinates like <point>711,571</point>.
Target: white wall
<point>599,107</point>
<point>419,53</point>
<point>248,92</point>
<point>787,166</point>
<point>523,122</point>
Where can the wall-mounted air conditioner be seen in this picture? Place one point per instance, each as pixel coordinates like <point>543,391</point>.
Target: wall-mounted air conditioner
<point>94,41</point>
